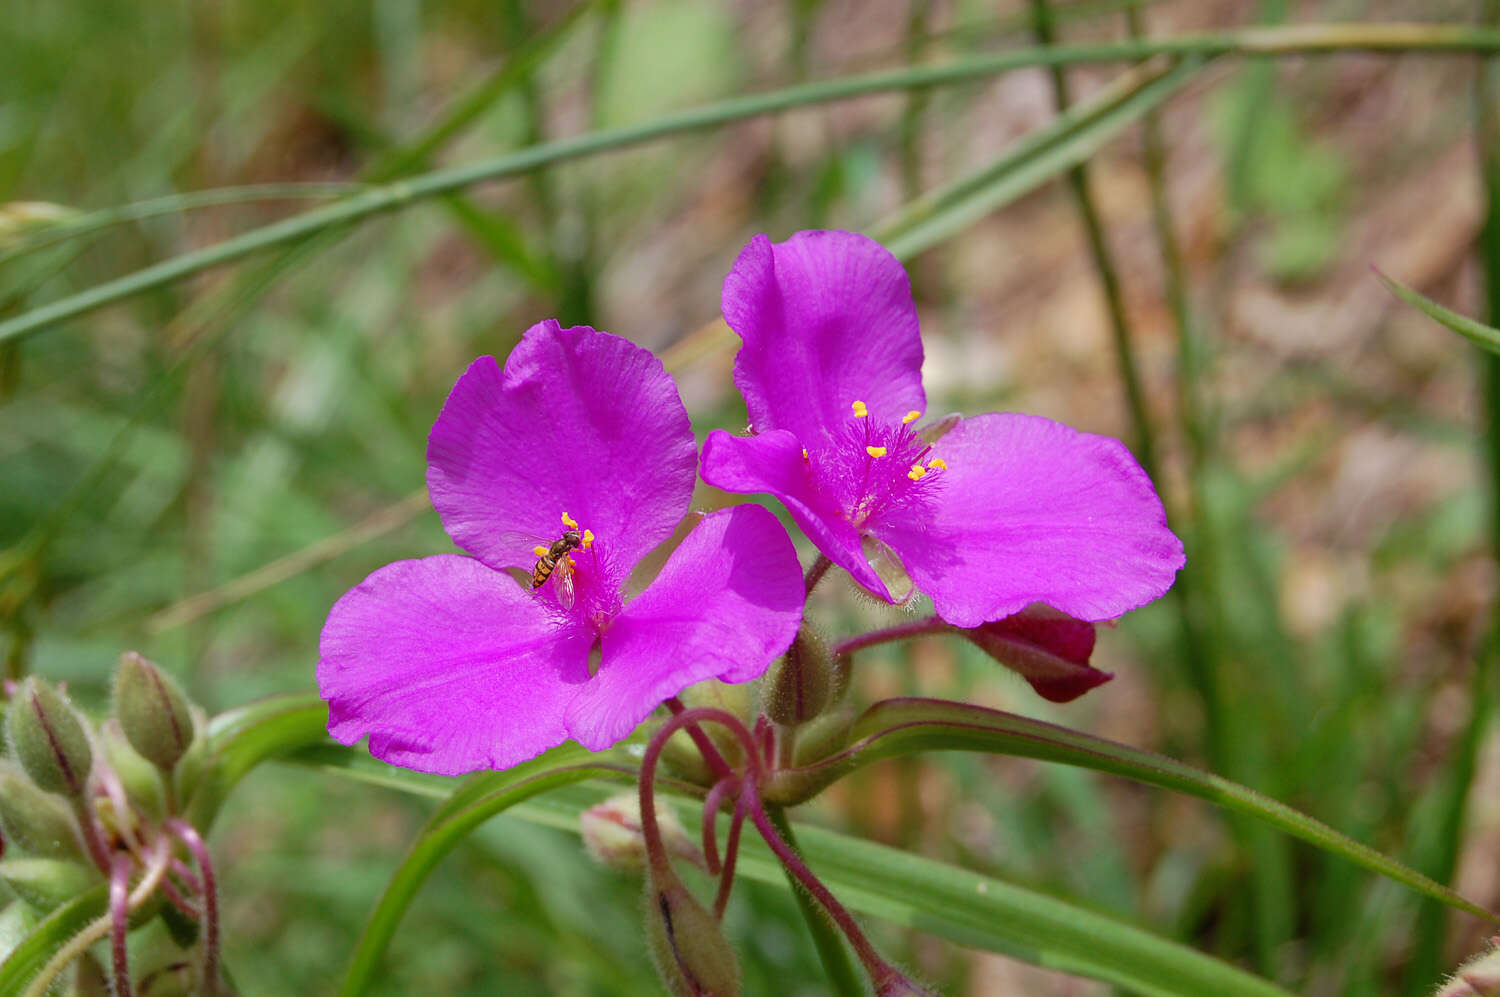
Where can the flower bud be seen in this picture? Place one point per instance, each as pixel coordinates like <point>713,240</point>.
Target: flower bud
<point>1479,977</point>
<point>20,218</point>
<point>36,822</point>
<point>49,739</point>
<point>153,712</point>
<point>801,684</point>
<point>692,955</point>
<point>45,884</point>
<point>612,833</point>
<point>1047,648</point>
<point>140,779</point>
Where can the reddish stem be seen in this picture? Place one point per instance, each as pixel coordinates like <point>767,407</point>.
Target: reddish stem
<point>177,899</point>
<point>650,829</point>
<point>93,838</point>
<point>119,922</point>
<point>874,965</point>
<point>705,744</point>
<point>731,855</point>
<point>194,842</point>
<point>711,804</point>
<point>816,572</point>
<point>902,631</point>
<point>183,870</point>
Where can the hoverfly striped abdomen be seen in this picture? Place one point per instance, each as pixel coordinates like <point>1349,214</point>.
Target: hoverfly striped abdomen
<point>549,557</point>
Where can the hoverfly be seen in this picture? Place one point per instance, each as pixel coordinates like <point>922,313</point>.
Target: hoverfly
<point>553,562</point>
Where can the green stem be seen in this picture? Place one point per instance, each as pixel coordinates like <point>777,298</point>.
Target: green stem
<point>173,204</point>
<point>1425,966</point>
<point>842,975</point>
<point>1296,40</point>
<point>1104,266</point>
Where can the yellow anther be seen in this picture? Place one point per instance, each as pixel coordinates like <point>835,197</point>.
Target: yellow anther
<point>917,472</point>
<point>937,464</point>
<point>588,539</point>
<point>804,453</point>
<point>875,451</point>
<point>860,411</point>
<point>540,551</point>
<point>570,522</point>
<point>911,416</point>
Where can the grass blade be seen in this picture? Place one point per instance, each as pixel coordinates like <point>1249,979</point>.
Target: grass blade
<point>50,935</point>
<point>973,910</point>
<point>1485,337</point>
<point>1298,40</point>
<point>473,804</point>
<point>898,727</point>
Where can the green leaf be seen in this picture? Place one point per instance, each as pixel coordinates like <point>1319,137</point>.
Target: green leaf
<point>243,738</point>
<point>51,934</point>
<point>974,910</point>
<point>1047,152</point>
<point>898,727</point>
<point>473,803</point>
<point>1483,336</point>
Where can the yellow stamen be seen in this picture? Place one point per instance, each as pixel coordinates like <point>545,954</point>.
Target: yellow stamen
<point>917,472</point>
<point>937,464</point>
<point>860,411</point>
<point>588,539</point>
<point>911,416</point>
<point>804,453</point>
<point>875,451</point>
<point>540,551</point>
<point>570,522</point>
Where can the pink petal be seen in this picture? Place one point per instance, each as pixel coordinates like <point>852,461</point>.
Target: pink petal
<point>726,604</point>
<point>1049,649</point>
<point>1029,510</point>
<point>773,463</point>
<point>580,422</point>
<point>827,319</point>
<point>449,666</point>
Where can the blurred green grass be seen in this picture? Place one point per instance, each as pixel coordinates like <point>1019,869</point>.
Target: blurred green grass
<point>241,427</point>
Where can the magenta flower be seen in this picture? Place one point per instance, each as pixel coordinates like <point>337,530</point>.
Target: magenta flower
<point>452,664</point>
<point>1000,512</point>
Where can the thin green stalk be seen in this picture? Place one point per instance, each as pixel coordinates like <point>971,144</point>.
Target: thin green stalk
<point>1143,437</point>
<point>1189,366</point>
<point>916,103</point>
<point>1271,875</point>
<point>1426,965</point>
<point>172,204</point>
<point>842,975</point>
<point>1296,40</point>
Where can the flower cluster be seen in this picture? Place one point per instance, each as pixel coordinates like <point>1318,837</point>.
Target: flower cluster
<point>82,805</point>
<point>561,472</point>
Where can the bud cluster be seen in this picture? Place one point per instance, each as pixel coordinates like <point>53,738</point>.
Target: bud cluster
<point>82,803</point>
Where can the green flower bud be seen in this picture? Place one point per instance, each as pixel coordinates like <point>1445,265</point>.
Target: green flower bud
<point>692,955</point>
<point>153,712</point>
<point>45,884</point>
<point>612,833</point>
<point>36,822</point>
<point>801,684</point>
<point>49,740</point>
<point>141,779</point>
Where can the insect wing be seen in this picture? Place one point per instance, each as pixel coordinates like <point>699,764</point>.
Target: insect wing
<point>562,580</point>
